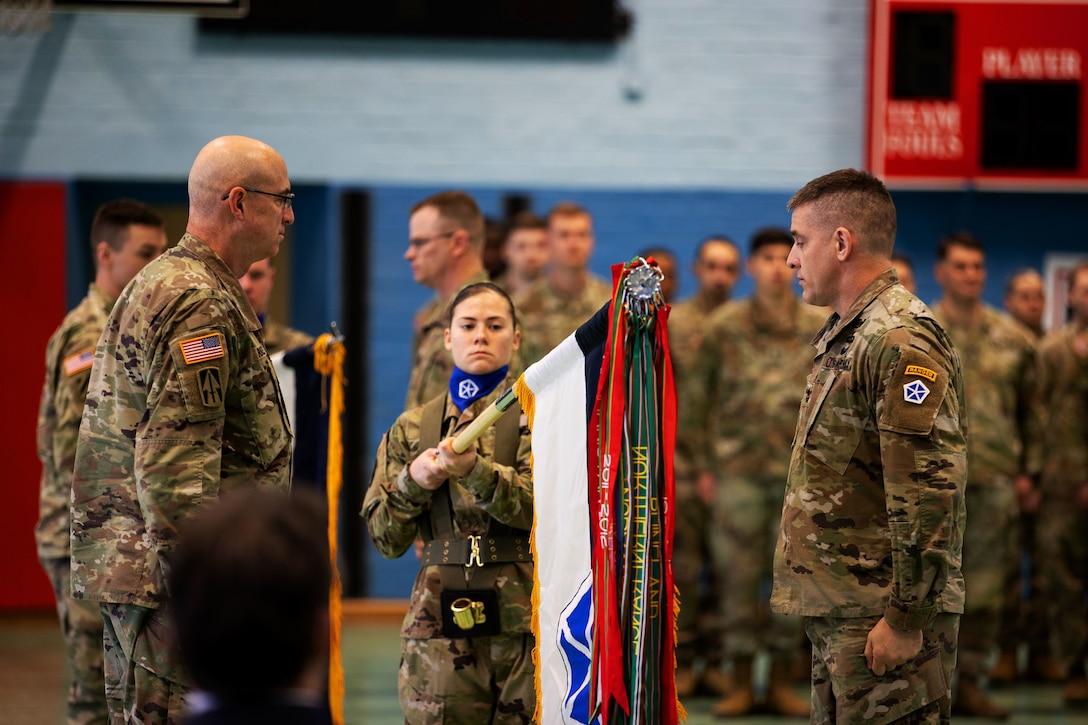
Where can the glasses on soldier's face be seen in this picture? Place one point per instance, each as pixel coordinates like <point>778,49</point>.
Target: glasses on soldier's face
<point>421,242</point>
<point>286,200</point>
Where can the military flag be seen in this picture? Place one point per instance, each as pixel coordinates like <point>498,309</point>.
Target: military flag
<point>601,406</point>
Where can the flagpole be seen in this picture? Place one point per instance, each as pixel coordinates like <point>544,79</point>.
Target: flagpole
<point>485,420</point>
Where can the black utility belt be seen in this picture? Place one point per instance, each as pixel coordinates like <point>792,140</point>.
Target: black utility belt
<point>476,551</point>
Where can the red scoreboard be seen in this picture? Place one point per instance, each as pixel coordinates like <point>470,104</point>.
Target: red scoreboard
<point>988,94</point>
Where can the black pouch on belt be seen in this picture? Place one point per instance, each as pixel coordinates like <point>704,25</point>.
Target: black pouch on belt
<point>470,613</point>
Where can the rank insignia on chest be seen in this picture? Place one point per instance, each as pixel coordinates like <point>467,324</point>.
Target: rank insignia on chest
<point>915,392</point>
<point>199,349</point>
<point>78,362</point>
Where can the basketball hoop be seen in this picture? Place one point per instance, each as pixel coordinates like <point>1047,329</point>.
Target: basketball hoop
<point>19,17</point>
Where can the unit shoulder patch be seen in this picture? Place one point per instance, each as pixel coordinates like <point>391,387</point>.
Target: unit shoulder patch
<point>914,393</point>
<point>201,364</point>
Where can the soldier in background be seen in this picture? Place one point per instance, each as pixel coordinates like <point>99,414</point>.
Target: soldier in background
<point>871,534</point>
<point>182,407</point>
<point>666,263</point>
<point>1025,299</point>
<point>698,628</point>
<point>740,402</point>
<point>525,251</point>
<point>904,269</point>
<point>493,260</point>
<point>445,251</point>
<point>568,295</point>
<point>479,670</point>
<point>1025,622</point>
<point>125,236</point>
<point>1063,547</point>
<point>1001,378</point>
<point>257,284</point>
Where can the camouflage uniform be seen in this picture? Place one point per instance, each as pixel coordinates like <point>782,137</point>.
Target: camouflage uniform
<point>698,631</point>
<point>182,407</point>
<point>477,680</point>
<point>742,396</point>
<point>1000,377</point>
<point>432,363</point>
<point>67,368</point>
<point>1062,544</point>
<point>548,316</point>
<point>281,338</point>
<point>873,517</point>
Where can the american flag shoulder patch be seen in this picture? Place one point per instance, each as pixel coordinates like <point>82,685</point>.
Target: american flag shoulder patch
<point>204,347</point>
<point>79,362</point>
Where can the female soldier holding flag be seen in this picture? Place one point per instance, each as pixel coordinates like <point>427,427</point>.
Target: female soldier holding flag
<point>466,640</point>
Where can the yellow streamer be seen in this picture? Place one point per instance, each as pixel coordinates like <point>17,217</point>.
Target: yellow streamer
<point>329,362</point>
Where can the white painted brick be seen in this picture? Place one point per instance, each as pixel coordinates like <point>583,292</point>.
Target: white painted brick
<point>752,89</point>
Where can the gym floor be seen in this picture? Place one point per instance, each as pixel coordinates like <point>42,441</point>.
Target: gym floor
<point>32,675</point>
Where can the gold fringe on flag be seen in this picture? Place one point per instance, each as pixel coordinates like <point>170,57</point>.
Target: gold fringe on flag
<point>329,362</point>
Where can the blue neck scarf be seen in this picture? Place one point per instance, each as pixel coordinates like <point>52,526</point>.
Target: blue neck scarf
<point>466,388</point>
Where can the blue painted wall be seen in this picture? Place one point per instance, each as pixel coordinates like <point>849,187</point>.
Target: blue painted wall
<point>703,121</point>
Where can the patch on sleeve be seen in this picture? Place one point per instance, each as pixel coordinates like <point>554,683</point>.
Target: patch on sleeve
<point>914,393</point>
<point>79,362</point>
<point>211,387</point>
<point>921,371</point>
<point>204,347</point>
<point>200,364</point>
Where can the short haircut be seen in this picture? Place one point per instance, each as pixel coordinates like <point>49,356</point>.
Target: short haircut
<point>478,288</point>
<point>856,200</point>
<point>251,575</point>
<point>112,220</point>
<point>714,238</point>
<point>1010,283</point>
<point>958,239</point>
<point>769,235</point>
<point>567,208</point>
<point>525,220</point>
<point>460,209</point>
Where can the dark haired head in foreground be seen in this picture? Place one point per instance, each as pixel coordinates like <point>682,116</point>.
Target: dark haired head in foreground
<point>250,585</point>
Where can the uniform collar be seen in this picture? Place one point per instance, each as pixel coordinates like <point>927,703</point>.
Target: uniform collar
<point>219,269</point>
<point>836,324</point>
<point>101,297</point>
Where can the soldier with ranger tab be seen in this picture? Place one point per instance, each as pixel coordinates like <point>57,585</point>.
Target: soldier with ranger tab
<point>183,407</point>
<point>125,235</point>
<point>871,537</point>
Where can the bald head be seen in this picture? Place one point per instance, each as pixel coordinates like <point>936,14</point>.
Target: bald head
<point>238,200</point>
<point>230,161</point>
